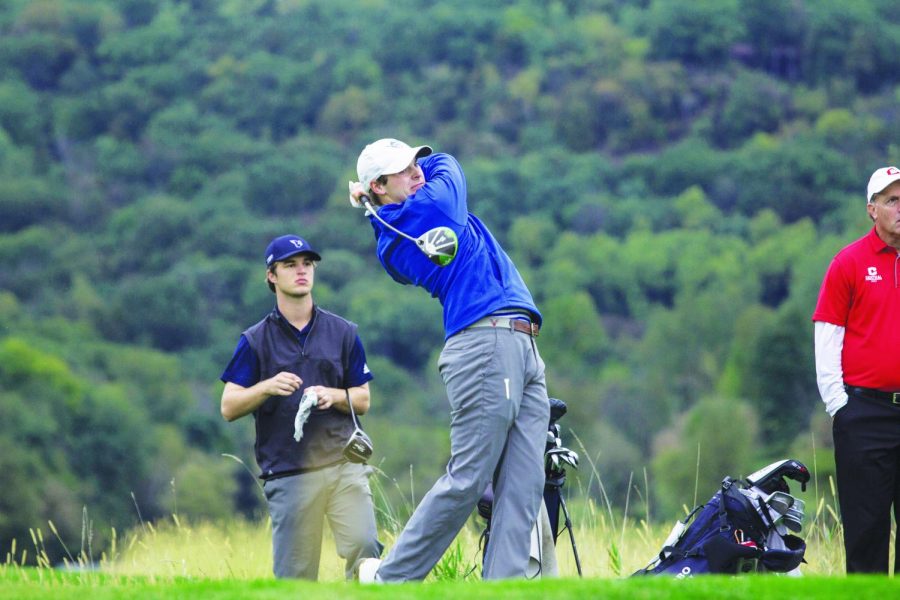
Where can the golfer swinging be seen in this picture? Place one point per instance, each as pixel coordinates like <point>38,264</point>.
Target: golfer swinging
<point>490,363</point>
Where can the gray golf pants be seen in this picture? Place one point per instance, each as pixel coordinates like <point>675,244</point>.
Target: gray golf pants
<point>298,506</point>
<point>499,413</point>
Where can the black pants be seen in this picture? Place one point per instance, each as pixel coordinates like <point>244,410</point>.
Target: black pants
<point>867,456</point>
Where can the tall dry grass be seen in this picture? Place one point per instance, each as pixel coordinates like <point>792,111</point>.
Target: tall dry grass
<point>611,542</point>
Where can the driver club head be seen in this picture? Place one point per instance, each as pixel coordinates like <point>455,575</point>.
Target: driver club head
<point>439,245</point>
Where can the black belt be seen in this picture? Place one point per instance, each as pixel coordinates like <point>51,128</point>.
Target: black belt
<point>873,394</point>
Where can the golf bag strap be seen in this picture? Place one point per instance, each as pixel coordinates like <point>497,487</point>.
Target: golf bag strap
<point>723,512</point>
<point>764,513</point>
<point>671,550</point>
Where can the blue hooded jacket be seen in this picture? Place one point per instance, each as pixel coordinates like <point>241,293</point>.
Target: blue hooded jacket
<point>480,280</point>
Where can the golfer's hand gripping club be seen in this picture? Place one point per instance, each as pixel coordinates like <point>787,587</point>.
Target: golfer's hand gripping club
<point>356,193</point>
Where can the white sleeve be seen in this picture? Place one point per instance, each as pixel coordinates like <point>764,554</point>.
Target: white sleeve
<point>829,371</point>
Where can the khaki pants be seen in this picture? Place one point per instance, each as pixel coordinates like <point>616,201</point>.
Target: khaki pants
<point>298,506</point>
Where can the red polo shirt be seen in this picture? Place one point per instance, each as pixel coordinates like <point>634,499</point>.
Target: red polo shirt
<point>861,292</point>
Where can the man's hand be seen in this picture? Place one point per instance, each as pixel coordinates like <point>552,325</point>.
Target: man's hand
<point>329,397</point>
<point>282,384</point>
<point>238,401</point>
<point>356,194</point>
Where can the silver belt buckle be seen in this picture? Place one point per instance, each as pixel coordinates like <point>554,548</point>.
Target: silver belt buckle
<point>895,399</point>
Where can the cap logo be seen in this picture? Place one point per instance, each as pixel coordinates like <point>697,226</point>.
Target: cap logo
<point>297,243</point>
<point>892,171</point>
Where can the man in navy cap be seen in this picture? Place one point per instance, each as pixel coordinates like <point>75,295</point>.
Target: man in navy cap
<point>301,351</point>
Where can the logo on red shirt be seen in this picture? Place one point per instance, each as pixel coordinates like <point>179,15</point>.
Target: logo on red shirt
<point>873,275</point>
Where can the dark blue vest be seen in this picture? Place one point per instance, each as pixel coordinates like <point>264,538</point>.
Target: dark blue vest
<point>322,360</point>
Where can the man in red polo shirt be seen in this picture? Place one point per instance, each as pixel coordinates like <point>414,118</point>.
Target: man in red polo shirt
<point>857,337</point>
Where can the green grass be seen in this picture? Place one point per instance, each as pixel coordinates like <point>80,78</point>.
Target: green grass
<point>22,583</point>
<point>177,559</point>
<point>174,559</point>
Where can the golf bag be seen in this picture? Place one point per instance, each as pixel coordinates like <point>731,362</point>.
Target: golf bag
<point>743,528</point>
<point>546,531</point>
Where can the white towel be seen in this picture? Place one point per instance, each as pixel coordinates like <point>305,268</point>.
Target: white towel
<point>308,400</point>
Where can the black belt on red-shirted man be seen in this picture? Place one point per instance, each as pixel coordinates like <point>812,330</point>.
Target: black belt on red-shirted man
<point>873,394</point>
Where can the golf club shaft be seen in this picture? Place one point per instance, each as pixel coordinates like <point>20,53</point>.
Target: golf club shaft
<point>368,204</point>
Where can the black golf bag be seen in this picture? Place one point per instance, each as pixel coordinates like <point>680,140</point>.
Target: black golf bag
<point>745,527</point>
<point>555,457</point>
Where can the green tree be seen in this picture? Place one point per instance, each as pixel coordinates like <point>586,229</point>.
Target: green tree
<point>28,201</point>
<point>793,166</point>
<point>699,32</point>
<point>754,103</point>
<point>19,114</point>
<point>403,325</point>
<point>574,334</point>
<point>162,221</point>
<point>300,176</point>
<point>40,393</point>
<point>715,438</point>
<point>163,311</point>
<point>854,42</point>
<point>781,381</point>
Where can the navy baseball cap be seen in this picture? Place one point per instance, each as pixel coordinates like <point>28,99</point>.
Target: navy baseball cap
<point>286,246</point>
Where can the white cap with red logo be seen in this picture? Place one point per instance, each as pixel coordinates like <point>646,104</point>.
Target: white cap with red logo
<point>880,179</point>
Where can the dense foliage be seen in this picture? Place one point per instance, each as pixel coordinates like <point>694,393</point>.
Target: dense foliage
<point>671,176</point>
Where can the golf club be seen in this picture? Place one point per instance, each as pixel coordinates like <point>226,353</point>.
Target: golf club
<point>780,502</point>
<point>439,244</point>
<point>771,478</point>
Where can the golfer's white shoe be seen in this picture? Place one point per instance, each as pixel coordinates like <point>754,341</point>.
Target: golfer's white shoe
<point>368,570</point>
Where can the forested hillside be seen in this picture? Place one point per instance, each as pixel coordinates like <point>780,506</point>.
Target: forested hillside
<point>671,177</point>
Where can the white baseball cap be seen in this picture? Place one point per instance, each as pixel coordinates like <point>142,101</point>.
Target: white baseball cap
<point>880,179</point>
<point>386,157</point>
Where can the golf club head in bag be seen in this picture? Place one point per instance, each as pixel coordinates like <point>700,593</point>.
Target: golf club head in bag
<point>556,458</point>
<point>779,509</point>
<point>793,518</point>
<point>789,510</point>
<point>439,244</point>
<point>558,408</point>
<point>771,478</point>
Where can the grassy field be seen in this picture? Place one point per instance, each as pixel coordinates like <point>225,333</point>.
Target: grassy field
<point>176,559</point>
<point>608,548</point>
<point>31,583</point>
